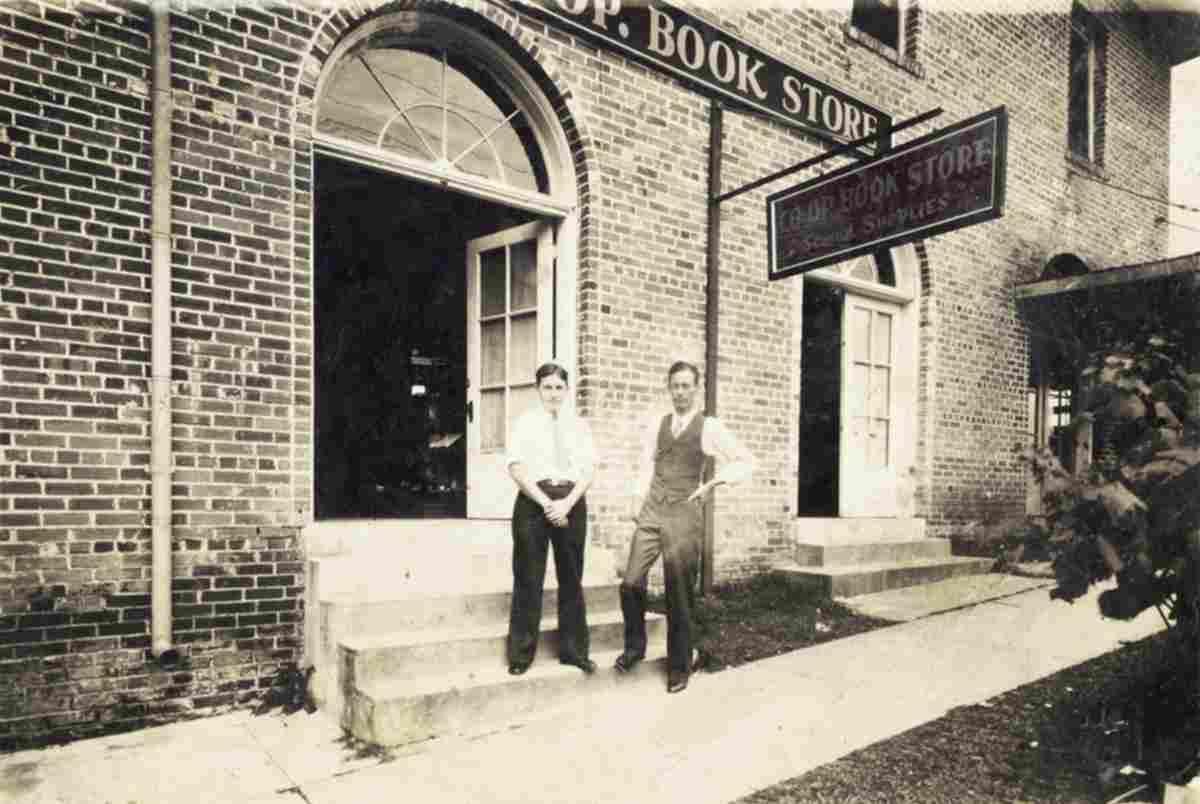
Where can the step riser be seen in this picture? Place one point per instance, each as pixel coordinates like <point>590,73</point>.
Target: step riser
<point>843,555</point>
<point>335,621</point>
<point>475,710</point>
<point>410,661</point>
<point>431,569</point>
<point>854,584</point>
<point>463,611</point>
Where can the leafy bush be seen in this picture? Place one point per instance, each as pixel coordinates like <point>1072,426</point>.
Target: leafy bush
<point>1136,512</point>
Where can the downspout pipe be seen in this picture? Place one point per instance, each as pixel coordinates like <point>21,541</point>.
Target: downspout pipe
<point>712,300</point>
<point>160,338</point>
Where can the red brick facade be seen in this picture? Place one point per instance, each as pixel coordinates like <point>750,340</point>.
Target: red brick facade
<point>75,233</point>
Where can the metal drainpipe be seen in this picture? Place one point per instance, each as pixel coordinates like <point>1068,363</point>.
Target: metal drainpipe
<point>712,319</point>
<point>160,339</point>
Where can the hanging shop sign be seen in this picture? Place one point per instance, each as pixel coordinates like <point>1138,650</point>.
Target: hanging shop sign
<point>717,63</point>
<point>943,181</point>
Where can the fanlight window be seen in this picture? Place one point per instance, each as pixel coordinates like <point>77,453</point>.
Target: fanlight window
<point>877,268</point>
<point>432,106</point>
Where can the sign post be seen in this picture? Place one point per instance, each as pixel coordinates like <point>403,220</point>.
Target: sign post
<point>951,178</point>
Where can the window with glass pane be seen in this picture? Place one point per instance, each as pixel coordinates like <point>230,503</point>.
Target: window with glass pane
<point>871,369</point>
<point>879,18</point>
<point>431,105</point>
<point>508,324</point>
<point>1085,87</point>
<point>881,389</point>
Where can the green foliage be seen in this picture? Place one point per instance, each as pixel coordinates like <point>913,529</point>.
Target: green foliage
<point>1136,513</point>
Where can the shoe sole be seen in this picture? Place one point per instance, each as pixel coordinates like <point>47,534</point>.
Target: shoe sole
<point>626,667</point>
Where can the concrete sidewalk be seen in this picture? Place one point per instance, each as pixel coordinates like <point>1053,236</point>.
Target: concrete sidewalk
<point>729,734</point>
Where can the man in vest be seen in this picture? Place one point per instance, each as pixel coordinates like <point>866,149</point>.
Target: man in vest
<point>668,508</point>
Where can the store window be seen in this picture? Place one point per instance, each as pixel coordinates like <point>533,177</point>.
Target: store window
<point>1085,109</point>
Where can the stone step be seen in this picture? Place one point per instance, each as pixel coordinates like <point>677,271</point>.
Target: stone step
<point>392,712</point>
<point>332,622</point>
<point>430,652</point>
<point>448,611</point>
<point>821,555</point>
<point>861,579</point>
<point>427,568</point>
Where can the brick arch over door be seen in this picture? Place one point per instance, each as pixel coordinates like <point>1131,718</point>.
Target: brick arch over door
<point>539,78</point>
<point>500,26</point>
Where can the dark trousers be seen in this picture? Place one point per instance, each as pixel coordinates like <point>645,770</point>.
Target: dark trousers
<point>673,530</point>
<point>532,533</point>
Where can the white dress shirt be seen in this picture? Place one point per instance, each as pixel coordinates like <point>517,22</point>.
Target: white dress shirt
<point>734,462</point>
<point>533,446</point>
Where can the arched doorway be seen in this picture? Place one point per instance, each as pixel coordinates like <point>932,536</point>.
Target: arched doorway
<point>857,388</point>
<point>444,267</point>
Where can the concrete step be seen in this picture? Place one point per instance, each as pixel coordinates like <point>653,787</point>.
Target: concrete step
<point>426,567</point>
<point>448,611</point>
<point>439,651</point>
<point>822,555</point>
<point>392,712</point>
<point>332,622</point>
<point>861,579</point>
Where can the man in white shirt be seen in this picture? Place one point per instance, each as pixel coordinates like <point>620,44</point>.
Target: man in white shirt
<point>668,508</point>
<point>551,459</point>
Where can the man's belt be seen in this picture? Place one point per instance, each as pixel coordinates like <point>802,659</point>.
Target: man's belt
<point>556,489</point>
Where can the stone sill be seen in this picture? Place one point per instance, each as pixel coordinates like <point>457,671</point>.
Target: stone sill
<point>888,52</point>
<point>1086,166</point>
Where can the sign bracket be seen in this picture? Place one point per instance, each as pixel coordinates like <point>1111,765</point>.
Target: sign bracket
<point>849,148</point>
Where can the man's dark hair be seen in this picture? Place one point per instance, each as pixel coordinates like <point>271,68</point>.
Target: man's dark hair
<point>546,369</point>
<point>683,365</point>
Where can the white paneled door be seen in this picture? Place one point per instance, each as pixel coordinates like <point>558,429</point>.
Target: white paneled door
<point>510,332</point>
<point>868,483</point>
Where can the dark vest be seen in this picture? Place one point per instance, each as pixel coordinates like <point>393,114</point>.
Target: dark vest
<point>678,462</point>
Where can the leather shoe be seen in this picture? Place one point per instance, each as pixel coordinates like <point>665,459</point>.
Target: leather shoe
<point>517,668</point>
<point>626,661</point>
<point>586,665</point>
<point>676,683</point>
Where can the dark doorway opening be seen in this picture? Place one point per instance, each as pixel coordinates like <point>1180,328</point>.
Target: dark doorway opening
<point>820,399</point>
<point>390,367</point>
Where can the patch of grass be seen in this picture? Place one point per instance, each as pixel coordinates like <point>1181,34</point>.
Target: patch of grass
<point>766,615</point>
<point>1064,738</point>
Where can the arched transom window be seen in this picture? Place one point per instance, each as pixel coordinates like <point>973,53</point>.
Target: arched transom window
<point>424,102</point>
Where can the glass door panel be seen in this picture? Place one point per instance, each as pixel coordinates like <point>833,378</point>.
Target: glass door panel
<point>868,476</point>
<point>509,310</point>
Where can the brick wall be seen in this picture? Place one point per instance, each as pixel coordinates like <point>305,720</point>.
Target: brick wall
<point>74,365</point>
<point>74,324</point>
<point>648,214</point>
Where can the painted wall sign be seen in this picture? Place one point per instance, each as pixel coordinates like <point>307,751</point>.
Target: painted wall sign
<point>715,62</point>
<point>943,181</point>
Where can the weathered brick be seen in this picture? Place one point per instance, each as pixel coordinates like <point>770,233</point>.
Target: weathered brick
<point>75,224</point>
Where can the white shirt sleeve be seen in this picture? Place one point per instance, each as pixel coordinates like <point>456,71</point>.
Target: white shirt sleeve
<point>523,447</point>
<point>735,464</point>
